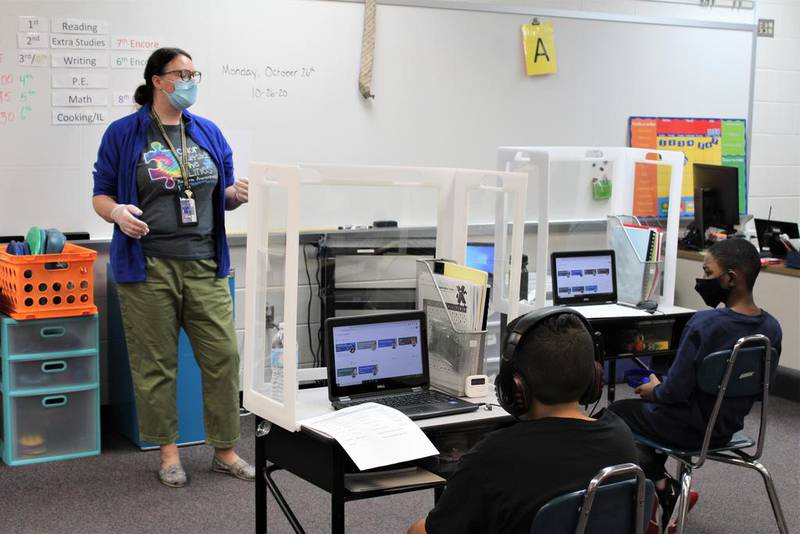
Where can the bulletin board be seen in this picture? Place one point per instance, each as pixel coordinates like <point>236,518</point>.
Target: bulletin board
<point>712,141</point>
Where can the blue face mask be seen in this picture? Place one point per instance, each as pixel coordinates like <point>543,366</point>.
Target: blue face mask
<point>184,95</point>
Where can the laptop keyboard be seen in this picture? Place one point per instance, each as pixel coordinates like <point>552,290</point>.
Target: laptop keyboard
<point>408,399</point>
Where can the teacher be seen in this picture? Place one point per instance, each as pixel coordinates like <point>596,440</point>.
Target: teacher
<point>164,177</point>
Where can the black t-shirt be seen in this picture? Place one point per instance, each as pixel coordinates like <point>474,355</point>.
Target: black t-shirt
<point>502,481</point>
<point>159,181</point>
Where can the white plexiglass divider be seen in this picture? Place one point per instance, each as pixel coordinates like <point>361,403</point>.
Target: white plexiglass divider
<point>538,163</point>
<point>285,199</point>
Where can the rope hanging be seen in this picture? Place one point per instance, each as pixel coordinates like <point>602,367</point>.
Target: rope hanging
<point>367,50</point>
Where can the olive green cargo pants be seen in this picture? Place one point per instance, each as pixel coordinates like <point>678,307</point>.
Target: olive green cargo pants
<point>182,293</point>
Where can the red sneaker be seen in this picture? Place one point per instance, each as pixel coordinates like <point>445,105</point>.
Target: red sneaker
<point>652,525</point>
<point>672,526</point>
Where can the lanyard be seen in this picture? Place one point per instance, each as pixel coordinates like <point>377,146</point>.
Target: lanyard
<point>183,161</point>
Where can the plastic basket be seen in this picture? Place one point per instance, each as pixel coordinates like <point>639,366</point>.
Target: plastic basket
<point>47,285</point>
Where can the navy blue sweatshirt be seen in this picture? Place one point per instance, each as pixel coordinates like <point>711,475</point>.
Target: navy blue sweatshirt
<point>681,411</point>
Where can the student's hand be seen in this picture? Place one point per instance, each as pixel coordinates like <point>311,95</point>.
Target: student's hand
<point>125,215</point>
<point>646,389</point>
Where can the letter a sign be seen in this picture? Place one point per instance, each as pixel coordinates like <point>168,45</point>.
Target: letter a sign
<point>540,48</point>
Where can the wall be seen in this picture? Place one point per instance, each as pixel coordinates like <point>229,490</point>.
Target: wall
<point>775,166</point>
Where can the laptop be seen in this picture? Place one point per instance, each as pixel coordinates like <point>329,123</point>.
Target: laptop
<point>383,358</point>
<point>583,278</point>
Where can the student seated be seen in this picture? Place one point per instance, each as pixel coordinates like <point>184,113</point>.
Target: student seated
<point>554,449</point>
<point>674,411</point>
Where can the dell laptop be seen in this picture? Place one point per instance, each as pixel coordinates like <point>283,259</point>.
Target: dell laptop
<point>383,358</point>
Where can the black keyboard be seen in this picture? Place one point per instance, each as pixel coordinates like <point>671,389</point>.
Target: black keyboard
<point>405,399</point>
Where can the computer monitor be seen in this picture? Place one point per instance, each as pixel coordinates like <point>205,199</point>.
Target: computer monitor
<point>767,232</point>
<point>480,256</point>
<point>716,198</point>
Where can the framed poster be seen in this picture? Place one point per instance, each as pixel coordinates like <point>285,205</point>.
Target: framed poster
<point>712,141</point>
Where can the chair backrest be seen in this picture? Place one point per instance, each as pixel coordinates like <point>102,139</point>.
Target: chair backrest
<point>619,507</point>
<point>744,371</point>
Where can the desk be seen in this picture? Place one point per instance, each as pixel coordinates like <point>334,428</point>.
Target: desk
<point>324,463</point>
<point>616,322</point>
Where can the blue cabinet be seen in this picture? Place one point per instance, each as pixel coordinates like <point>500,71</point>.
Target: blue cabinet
<point>49,389</point>
<point>123,407</point>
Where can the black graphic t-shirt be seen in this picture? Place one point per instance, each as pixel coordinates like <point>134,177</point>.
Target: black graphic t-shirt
<point>158,179</point>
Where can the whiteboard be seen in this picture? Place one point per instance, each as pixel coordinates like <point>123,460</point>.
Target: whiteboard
<point>449,84</point>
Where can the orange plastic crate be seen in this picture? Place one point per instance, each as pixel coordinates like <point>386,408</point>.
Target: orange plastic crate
<point>47,285</point>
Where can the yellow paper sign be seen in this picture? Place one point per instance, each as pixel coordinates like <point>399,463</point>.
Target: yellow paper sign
<point>540,48</point>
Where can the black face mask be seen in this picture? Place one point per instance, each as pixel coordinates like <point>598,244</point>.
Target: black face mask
<point>711,291</point>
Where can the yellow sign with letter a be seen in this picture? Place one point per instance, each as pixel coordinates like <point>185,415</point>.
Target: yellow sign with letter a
<point>540,48</point>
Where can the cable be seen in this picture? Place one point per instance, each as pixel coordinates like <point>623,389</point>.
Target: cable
<point>594,408</point>
<point>308,312</point>
<point>320,331</point>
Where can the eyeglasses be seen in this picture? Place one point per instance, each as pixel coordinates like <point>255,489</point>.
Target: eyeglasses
<point>186,75</point>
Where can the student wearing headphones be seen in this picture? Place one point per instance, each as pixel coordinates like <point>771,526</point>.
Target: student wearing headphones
<point>547,368</point>
<point>674,411</point>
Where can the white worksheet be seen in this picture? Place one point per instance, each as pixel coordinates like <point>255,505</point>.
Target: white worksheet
<point>374,435</point>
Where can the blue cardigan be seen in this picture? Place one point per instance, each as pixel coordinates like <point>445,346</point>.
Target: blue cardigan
<point>115,176</point>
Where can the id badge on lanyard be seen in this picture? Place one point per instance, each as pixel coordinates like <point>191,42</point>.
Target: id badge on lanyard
<point>187,209</point>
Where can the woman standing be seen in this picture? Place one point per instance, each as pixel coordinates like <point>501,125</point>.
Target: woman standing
<point>164,177</point>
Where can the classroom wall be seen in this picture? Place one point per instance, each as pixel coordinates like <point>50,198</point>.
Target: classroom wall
<point>775,166</point>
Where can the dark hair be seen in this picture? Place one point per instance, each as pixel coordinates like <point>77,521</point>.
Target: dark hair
<point>155,65</point>
<point>556,359</point>
<point>740,255</point>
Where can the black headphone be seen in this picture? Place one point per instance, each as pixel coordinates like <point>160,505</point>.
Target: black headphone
<point>513,392</point>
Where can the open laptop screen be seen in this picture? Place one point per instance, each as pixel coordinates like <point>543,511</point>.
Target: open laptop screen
<point>372,353</point>
<point>584,277</point>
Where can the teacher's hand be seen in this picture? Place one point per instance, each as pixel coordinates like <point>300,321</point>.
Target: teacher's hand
<point>125,217</point>
<point>240,189</point>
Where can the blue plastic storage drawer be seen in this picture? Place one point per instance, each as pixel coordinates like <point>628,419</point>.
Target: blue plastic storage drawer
<point>57,372</point>
<point>47,427</point>
<point>21,338</point>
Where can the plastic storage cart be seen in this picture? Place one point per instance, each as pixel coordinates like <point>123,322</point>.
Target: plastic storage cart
<point>49,389</point>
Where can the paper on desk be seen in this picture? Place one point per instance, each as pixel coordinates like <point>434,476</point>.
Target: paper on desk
<point>374,435</point>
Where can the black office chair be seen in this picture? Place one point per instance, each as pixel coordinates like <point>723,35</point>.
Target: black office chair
<point>620,507</point>
<point>741,372</point>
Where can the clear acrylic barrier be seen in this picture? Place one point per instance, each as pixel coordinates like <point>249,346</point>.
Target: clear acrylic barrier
<point>346,271</point>
<point>570,213</point>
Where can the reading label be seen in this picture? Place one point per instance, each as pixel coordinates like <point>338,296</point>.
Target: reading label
<point>94,27</point>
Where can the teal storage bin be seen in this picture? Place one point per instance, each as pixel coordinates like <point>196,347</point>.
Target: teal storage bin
<point>49,389</point>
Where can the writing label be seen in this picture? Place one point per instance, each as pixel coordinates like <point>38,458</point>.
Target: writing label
<point>122,98</point>
<point>124,60</point>
<point>79,60</point>
<point>66,40</point>
<point>94,27</point>
<point>32,40</point>
<point>31,24</point>
<point>126,42</point>
<point>33,59</point>
<point>79,80</point>
<point>80,98</point>
<point>79,116</point>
